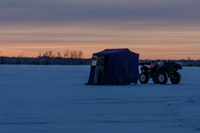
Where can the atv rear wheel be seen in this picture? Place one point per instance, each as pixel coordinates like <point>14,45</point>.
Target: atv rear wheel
<point>162,77</point>
<point>144,78</point>
<point>175,78</point>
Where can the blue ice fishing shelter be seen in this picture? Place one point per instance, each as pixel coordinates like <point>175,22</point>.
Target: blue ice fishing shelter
<point>121,67</point>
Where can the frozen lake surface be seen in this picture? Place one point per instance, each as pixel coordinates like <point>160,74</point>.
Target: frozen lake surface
<point>54,99</point>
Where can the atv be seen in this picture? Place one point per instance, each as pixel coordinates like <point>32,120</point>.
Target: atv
<point>160,73</point>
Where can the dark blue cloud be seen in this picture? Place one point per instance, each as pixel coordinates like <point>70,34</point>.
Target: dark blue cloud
<point>53,11</point>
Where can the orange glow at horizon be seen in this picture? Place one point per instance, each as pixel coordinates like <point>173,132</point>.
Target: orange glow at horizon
<point>150,43</point>
<point>152,52</point>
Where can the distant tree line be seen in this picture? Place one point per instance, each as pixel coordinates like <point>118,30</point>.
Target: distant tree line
<point>74,54</point>
<point>68,57</point>
<point>43,61</point>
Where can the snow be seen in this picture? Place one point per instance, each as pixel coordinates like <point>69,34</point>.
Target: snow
<point>54,99</point>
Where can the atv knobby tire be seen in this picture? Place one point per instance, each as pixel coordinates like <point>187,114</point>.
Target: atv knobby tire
<point>144,78</point>
<point>175,78</point>
<point>162,77</point>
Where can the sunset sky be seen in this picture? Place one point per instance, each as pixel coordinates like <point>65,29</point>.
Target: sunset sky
<point>156,29</point>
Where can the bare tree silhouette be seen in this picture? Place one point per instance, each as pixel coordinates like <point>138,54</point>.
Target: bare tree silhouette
<point>72,54</point>
<point>66,53</point>
<point>80,54</point>
<point>188,58</point>
<point>40,54</point>
<point>48,54</point>
<point>21,55</point>
<point>58,55</point>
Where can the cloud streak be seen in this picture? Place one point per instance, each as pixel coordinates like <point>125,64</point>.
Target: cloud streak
<point>23,11</point>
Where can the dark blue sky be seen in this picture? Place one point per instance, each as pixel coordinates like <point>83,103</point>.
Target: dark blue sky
<point>45,11</point>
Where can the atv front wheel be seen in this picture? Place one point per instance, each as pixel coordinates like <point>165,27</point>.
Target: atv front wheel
<point>175,78</point>
<point>162,77</point>
<point>144,78</point>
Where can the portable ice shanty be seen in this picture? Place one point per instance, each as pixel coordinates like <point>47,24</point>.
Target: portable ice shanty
<point>121,67</point>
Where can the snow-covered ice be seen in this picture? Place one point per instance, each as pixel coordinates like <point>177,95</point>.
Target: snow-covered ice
<point>54,99</point>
